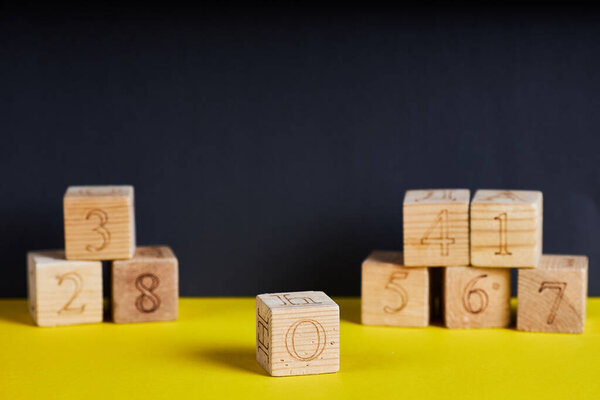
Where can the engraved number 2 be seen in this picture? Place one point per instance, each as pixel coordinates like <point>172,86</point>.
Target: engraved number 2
<point>395,286</point>
<point>443,239</point>
<point>78,281</point>
<point>560,286</point>
<point>100,229</point>
<point>479,293</point>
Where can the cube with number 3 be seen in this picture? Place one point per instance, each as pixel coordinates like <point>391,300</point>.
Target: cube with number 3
<point>63,292</point>
<point>99,222</point>
<point>393,295</point>
<point>552,297</point>
<point>436,227</point>
<point>146,288</point>
<point>476,297</point>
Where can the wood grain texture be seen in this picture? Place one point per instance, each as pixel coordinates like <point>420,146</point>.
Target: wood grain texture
<point>297,333</point>
<point>436,227</point>
<point>63,292</point>
<point>99,222</point>
<point>393,295</point>
<point>506,228</point>
<point>146,288</point>
<point>552,297</point>
<point>476,297</point>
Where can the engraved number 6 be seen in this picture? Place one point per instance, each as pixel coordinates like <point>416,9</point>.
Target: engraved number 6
<point>480,293</point>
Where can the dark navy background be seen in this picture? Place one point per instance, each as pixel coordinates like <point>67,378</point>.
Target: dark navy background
<point>271,146</point>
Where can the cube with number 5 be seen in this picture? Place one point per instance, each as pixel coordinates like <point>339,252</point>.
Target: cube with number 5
<point>552,297</point>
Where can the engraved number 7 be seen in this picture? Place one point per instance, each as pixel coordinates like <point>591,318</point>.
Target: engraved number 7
<point>560,286</point>
<point>393,285</point>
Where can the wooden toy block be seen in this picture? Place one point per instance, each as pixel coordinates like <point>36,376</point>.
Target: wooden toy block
<point>146,288</point>
<point>476,297</point>
<point>436,227</point>
<point>63,292</point>
<point>506,228</point>
<point>297,333</point>
<point>393,295</point>
<point>552,297</point>
<point>99,222</point>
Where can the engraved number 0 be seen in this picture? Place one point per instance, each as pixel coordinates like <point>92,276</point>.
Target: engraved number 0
<point>394,286</point>
<point>78,281</point>
<point>100,229</point>
<point>480,293</point>
<point>560,286</point>
<point>443,239</point>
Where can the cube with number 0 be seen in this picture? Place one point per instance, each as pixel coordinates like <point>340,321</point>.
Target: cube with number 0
<point>476,297</point>
<point>392,294</point>
<point>552,297</point>
<point>146,288</point>
<point>436,227</point>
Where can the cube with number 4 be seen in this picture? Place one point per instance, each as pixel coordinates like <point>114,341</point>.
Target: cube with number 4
<point>63,292</point>
<point>552,297</point>
<point>146,288</point>
<point>436,227</point>
<point>476,297</point>
<point>99,222</point>
<point>392,294</point>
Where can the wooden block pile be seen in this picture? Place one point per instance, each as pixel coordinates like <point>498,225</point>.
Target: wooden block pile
<point>65,287</point>
<point>475,244</point>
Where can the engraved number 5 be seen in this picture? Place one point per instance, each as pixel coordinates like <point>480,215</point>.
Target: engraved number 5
<point>395,286</point>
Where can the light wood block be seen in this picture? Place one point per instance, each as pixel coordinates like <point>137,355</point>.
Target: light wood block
<point>506,228</point>
<point>476,297</point>
<point>297,333</point>
<point>99,222</point>
<point>436,227</point>
<point>146,288</point>
<point>393,295</point>
<point>63,292</point>
<point>552,297</point>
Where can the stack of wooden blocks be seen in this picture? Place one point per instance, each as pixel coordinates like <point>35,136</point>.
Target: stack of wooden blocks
<point>476,243</point>
<point>65,287</point>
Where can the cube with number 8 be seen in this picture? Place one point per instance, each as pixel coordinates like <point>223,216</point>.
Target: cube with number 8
<point>146,288</point>
<point>476,297</point>
<point>392,294</point>
<point>99,222</point>
<point>552,297</point>
<point>436,227</point>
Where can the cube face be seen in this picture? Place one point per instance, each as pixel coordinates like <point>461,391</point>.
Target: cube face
<point>506,228</point>
<point>297,333</point>
<point>552,297</point>
<point>476,297</point>
<point>146,288</point>
<point>393,295</point>
<point>436,227</point>
<point>99,222</point>
<point>63,292</point>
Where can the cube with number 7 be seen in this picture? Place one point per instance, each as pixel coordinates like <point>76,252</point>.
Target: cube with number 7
<point>552,297</point>
<point>436,227</point>
<point>392,294</point>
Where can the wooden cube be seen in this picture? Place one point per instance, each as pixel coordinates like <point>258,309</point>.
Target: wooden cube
<point>476,297</point>
<point>552,297</point>
<point>436,227</point>
<point>99,222</point>
<point>393,295</point>
<point>146,288</point>
<point>63,292</point>
<point>297,333</point>
<point>506,228</point>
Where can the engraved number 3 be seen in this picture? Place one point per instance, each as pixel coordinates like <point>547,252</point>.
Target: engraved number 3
<point>100,229</point>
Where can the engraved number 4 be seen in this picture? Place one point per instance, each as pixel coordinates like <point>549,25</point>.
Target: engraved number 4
<point>443,239</point>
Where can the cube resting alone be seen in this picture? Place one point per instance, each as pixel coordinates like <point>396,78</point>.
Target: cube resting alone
<point>297,333</point>
<point>63,292</point>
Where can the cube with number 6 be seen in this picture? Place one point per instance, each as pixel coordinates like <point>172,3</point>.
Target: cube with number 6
<point>146,288</point>
<point>392,294</point>
<point>436,227</point>
<point>552,297</point>
<point>476,297</point>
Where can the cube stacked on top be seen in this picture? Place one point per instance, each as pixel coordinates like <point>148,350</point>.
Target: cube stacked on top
<point>475,244</point>
<point>65,287</point>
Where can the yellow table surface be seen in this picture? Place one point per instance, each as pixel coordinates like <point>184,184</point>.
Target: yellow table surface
<point>209,353</point>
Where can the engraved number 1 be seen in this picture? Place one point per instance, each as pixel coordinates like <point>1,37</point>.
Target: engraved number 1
<point>503,233</point>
